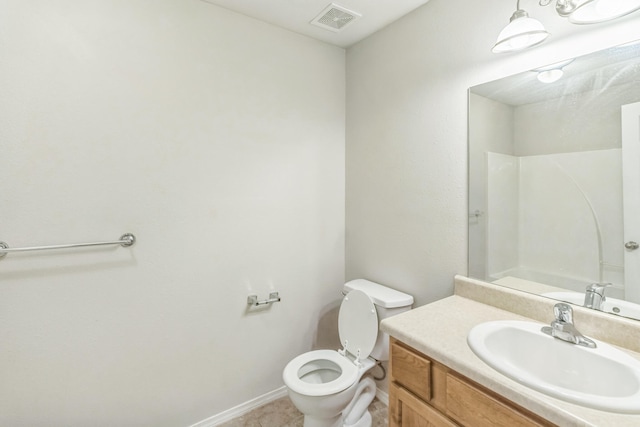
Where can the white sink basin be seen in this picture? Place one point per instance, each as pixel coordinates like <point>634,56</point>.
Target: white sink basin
<point>603,378</point>
<point>611,305</point>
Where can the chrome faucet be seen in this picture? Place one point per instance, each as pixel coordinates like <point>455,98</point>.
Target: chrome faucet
<point>594,295</point>
<point>562,327</point>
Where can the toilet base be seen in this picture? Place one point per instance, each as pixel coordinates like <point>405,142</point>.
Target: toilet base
<point>356,414</point>
<point>310,421</point>
<point>364,421</point>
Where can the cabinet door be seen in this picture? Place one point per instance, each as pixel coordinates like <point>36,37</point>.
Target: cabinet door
<point>409,411</point>
<point>410,370</point>
<point>471,406</point>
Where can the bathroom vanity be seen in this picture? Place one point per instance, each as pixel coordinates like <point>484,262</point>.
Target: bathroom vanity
<point>423,392</point>
<point>437,380</point>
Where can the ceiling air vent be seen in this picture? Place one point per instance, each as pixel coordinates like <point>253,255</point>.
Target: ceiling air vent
<point>335,18</point>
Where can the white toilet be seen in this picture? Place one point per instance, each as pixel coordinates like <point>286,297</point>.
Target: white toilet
<point>330,387</point>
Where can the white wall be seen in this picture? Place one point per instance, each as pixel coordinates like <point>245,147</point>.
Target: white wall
<point>407,132</point>
<point>219,141</point>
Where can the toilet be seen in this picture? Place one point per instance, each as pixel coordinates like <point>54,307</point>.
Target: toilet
<point>330,387</point>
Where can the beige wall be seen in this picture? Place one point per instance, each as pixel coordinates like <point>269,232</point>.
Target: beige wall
<point>407,132</point>
<point>219,142</point>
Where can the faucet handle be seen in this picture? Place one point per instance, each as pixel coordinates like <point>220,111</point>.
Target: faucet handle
<point>564,329</point>
<point>563,312</point>
<point>598,288</point>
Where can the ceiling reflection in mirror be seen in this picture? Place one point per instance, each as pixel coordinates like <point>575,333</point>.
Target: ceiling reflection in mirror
<point>554,181</point>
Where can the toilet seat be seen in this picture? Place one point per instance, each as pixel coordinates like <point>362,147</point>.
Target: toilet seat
<point>348,373</point>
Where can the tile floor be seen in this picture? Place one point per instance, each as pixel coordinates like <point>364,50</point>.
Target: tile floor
<point>282,413</point>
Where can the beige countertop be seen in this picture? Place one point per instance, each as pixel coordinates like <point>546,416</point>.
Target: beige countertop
<point>440,331</point>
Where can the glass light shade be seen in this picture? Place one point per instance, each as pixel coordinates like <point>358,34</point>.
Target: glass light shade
<point>550,76</point>
<point>595,11</point>
<point>521,33</point>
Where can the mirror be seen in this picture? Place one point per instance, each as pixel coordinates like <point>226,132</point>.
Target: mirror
<point>554,181</point>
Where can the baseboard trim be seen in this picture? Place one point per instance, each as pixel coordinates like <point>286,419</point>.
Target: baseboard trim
<point>243,408</point>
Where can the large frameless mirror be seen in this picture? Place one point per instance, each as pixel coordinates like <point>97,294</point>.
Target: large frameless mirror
<point>554,181</point>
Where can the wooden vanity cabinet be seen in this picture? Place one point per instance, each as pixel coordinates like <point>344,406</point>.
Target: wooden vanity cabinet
<point>425,393</point>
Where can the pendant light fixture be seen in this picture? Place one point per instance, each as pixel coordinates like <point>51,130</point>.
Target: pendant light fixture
<point>524,32</point>
<point>521,32</point>
<point>595,11</point>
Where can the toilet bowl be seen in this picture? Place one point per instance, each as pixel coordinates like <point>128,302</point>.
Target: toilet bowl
<point>331,387</point>
<point>322,383</point>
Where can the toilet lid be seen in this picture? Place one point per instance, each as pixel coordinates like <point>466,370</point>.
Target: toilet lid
<point>358,324</point>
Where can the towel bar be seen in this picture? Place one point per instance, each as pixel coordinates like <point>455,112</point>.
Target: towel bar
<point>125,240</point>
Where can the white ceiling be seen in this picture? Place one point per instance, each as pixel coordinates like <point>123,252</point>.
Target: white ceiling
<point>296,15</point>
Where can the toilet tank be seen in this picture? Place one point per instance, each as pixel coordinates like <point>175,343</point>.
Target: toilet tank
<point>388,302</point>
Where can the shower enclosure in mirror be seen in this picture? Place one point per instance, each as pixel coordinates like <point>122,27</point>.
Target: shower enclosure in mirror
<point>554,181</point>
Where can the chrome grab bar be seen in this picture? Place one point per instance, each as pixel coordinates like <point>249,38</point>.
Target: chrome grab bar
<point>125,240</point>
